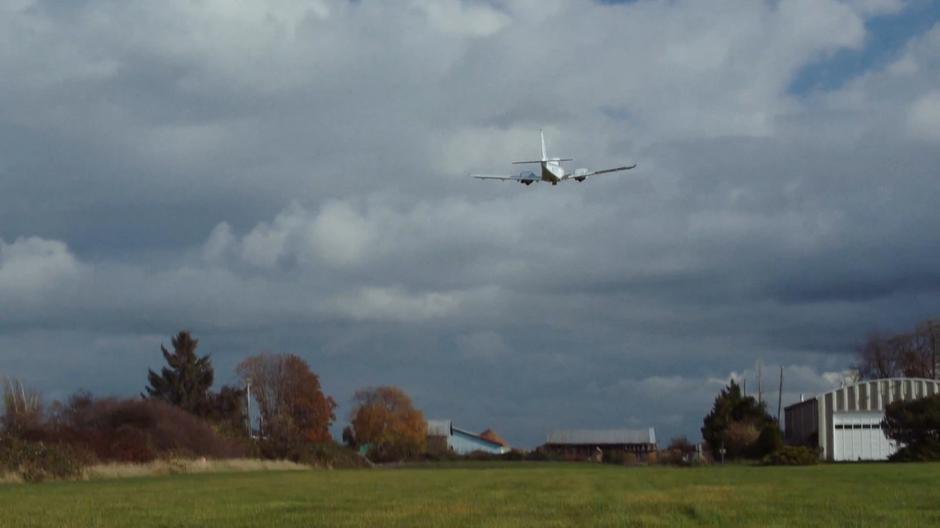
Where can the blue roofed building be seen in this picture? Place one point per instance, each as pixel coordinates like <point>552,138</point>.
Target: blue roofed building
<point>443,436</point>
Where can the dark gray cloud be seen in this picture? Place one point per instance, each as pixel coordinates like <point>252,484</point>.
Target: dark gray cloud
<point>292,177</point>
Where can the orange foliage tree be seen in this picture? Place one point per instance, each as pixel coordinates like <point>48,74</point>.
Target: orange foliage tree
<point>385,419</point>
<point>292,405</point>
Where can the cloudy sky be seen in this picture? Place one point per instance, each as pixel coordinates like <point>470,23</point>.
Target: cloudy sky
<point>291,176</point>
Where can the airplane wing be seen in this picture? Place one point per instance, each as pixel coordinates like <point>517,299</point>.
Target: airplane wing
<point>526,178</point>
<point>583,176</point>
<point>494,177</point>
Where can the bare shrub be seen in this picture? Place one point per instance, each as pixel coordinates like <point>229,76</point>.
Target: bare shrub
<point>740,438</point>
<point>22,408</point>
<point>38,461</point>
<point>138,430</point>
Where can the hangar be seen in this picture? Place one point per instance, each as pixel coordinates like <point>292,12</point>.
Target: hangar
<point>845,423</point>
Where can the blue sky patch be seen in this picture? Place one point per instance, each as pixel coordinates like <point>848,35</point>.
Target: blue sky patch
<point>886,39</point>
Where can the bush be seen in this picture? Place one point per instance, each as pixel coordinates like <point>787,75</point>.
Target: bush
<point>319,454</point>
<point>914,424</point>
<point>740,438</point>
<point>138,431</point>
<point>926,451</point>
<point>544,455</point>
<point>680,452</point>
<point>38,461</point>
<point>770,441</point>
<point>515,455</point>
<point>617,458</point>
<point>792,456</point>
<point>332,455</point>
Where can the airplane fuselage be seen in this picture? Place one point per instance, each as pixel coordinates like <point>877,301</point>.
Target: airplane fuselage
<point>552,172</point>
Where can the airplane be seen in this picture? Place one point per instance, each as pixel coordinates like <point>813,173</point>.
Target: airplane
<point>551,172</point>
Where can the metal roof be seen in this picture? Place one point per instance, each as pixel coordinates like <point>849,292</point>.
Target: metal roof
<point>475,436</point>
<point>603,436</point>
<point>906,388</point>
<point>439,427</point>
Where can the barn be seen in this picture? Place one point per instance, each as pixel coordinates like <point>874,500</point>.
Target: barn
<point>587,444</point>
<point>845,423</point>
<point>443,436</point>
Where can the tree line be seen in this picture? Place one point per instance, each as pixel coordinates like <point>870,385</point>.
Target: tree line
<point>293,411</point>
<point>179,414</point>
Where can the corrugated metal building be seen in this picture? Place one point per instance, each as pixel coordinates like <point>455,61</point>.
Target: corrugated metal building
<point>586,443</point>
<point>845,423</point>
<point>444,436</point>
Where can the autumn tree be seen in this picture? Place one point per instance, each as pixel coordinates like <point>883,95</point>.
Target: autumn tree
<point>909,354</point>
<point>735,423</point>
<point>292,405</point>
<point>385,419</point>
<point>186,379</point>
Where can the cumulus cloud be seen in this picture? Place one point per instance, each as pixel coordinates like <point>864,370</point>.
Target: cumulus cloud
<point>483,345</point>
<point>33,266</point>
<point>924,117</point>
<point>456,16</point>
<point>394,304</point>
<point>292,176</point>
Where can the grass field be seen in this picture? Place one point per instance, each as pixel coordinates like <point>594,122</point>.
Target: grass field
<point>513,494</point>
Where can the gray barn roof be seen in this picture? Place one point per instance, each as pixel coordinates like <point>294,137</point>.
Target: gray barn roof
<point>439,427</point>
<point>603,436</point>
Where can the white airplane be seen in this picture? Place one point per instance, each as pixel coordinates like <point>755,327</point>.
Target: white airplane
<point>551,172</point>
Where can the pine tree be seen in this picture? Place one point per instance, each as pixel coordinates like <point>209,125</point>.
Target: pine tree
<point>735,423</point>
<point>186,381</point>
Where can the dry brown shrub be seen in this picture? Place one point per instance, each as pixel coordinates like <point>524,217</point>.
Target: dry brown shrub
<point>740,438</point>
<point>140,431</point>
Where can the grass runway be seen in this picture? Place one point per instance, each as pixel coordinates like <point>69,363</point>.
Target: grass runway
<point>493,495</point>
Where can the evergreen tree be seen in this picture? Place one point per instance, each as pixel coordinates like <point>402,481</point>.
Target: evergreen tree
<point>915,426</point>
<point>186,380</point>
<point>735,422</point>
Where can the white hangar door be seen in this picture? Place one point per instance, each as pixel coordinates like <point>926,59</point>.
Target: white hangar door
<point>858,436</point>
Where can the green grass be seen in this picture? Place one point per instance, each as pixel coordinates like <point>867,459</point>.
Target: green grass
<point>498,495</point>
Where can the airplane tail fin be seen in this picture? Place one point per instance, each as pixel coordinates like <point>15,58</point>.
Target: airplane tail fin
<point>545,157</point>
<point>544,153</point>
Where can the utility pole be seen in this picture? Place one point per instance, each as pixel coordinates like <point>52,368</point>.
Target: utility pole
<point>248,406</point>
<point>760,394</point>
<point>931,327</point>
<point>780,395</point>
